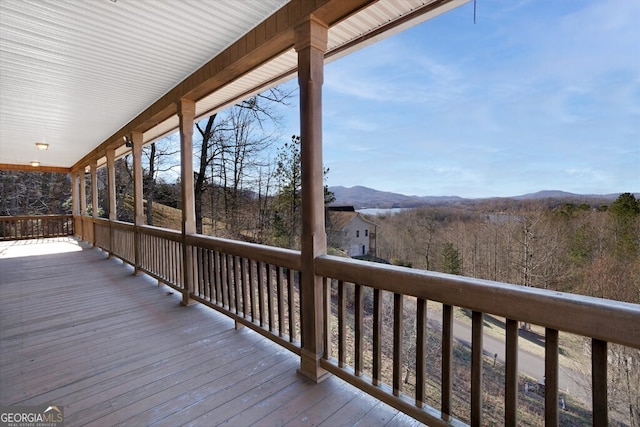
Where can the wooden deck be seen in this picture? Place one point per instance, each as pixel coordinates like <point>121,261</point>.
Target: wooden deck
<point>79,330</point>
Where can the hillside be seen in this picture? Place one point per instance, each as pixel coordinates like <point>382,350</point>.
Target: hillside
<point>363,197</point>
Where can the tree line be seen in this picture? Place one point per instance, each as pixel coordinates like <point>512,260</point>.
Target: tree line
<point>593,250</point>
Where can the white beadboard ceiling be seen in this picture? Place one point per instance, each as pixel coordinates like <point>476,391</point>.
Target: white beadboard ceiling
<point>73,72</point>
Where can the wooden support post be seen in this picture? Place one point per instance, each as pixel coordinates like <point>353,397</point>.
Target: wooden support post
<point>83,192</point>
<point>138,212</point>
<point>186,115</point>
<point>75,200</point>
<point>83,202</point>
<point>111,186</point>
<point>75,205</point>
<point>93,167</point>
<point>311,44</point>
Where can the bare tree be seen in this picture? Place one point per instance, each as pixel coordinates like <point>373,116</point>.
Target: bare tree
<point>159,158</point>
<point>214,132</point>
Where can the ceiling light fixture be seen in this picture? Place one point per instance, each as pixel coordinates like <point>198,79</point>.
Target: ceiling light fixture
<point>42,146</point>
<point>35,163</point>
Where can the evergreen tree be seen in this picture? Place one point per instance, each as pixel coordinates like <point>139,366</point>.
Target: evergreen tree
<point>625,214</point>
<point>287,216</point>
<point>451,259</point>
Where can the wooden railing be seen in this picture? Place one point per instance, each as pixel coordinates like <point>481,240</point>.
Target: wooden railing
<point>83,227</point>
<point>258,286</point>
<point>35,227</point>
<point>601,320</point>
<point>115,237</point>
<point>160,255</point>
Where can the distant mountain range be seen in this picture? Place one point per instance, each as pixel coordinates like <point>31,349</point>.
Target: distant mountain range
<point>363,197</point>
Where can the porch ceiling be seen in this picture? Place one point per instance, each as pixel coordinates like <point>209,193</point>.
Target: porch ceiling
<point>75,74</point>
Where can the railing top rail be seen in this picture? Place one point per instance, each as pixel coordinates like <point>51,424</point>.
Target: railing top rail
<point>21,217</point>
<point>283,257</point>
<point>607,320</point>
<point>164,233</point>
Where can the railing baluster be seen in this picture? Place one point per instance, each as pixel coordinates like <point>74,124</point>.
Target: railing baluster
<point>270,296</point>
<point>261,292</point>
<point>421,353</point>
<point>280,300</point>
<point>357,327</point>
<point>599,382</point>
<point>551,377</point>
<point>447,358</point>
<point>209,274</point>
<point>193,267</point>
<point>377,336</point>
<point>342,324</point>
<point>224,279</point>
<point>156,254</point>
<point>171,250</point>
<point>231,269</point>
<point>291,302</point>
<point>398,329</point>
<point>154,247</point>
<point>197,286</point>
<point>326,306</point>
<point>252,289</point>
<point>476,368</point>
<point>220,278</point>
<point>164,253</point>
<point>236,283</point>
<point>173,275</point>
<point>511,374</point>
<point>243,283</point>
<point>205,278</point>
<point>179,260</point>
<point>215,277</point>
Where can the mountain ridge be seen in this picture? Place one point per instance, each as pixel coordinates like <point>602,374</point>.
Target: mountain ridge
<point>362,197</point>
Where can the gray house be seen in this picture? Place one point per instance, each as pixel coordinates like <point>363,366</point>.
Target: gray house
<point>349,231</point>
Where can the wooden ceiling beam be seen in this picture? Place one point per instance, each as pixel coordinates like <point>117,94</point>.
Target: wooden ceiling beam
<point>29,168</point>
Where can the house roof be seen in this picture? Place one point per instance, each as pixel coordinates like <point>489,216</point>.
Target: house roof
<point>81,75</point>
<point>338,220</point>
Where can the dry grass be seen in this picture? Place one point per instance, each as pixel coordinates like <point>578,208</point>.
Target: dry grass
<point>171,218</point>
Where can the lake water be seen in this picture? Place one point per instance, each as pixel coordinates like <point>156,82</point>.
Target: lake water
<point>381,211</point>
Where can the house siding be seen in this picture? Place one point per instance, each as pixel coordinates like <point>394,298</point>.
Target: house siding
<point>357,234</point>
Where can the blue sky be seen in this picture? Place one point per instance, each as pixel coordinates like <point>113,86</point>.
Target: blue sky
<point>537,95</point>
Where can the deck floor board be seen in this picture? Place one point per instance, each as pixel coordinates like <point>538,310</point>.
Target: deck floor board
<point>80,330</point>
